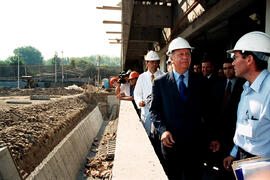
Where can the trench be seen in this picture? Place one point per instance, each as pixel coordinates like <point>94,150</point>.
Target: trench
<point>69,143</point>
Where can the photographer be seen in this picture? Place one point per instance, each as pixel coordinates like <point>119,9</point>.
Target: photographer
<point>125,86</point>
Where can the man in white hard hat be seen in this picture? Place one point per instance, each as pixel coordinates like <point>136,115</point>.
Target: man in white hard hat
<point>251,53</point>
<point>176,111</point>
<point>143,88</point>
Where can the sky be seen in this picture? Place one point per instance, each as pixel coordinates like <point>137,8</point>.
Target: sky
<point>74,27</point>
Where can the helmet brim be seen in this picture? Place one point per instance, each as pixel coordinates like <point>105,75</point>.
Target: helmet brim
<point>230,51</point>
<point>168,53</point>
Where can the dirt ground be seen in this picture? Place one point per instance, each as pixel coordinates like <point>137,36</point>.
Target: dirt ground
<point>32,128</point>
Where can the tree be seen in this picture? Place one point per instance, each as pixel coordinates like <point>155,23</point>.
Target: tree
<point>3,62</point>
<point>53,60</point>
<point>30,55</point>
<point>13,60</point>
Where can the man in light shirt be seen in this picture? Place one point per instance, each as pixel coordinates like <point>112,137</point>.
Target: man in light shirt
<point>251,138</point>
<point>143,88</point>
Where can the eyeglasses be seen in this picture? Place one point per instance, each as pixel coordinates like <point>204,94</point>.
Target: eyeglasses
<point>237,57</point>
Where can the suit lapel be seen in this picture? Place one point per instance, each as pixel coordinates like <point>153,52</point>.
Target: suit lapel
<point>224,84</point>
<point>172,84</point>
<point>190,83</point>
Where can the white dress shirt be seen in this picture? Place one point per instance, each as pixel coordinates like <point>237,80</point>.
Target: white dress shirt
<point>125,88</point>
<point>143,91</point>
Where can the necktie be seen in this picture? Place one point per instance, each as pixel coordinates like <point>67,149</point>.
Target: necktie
<point>152,78</point>
<point>228,89</point>
<point>182,88</point>
<point>227,96</point>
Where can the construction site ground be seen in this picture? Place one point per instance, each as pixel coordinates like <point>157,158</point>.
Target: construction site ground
<point>99,161</point>
<point>32,128</point>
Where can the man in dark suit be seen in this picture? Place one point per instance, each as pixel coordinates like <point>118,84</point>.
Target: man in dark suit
<point>176,111</point>
<point>209,73</point>
<point>225,97</point>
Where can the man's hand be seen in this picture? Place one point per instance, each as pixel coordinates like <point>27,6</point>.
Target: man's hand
<point>141,104</point>
<point>214,146</point>
<point>167,139</point>
<point>227,163</point>
<point>120,95</point>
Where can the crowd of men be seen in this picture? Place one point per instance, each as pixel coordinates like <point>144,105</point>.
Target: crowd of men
<point>200,120</point>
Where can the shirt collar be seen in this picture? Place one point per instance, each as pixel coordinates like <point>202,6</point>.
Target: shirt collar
<point>258,81</point>
<point>233,81</point>
<point>209,76</point>
<point>176,74</point>
<point>155,74</point>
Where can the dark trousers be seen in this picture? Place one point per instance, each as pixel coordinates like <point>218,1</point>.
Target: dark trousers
<point>155,141</point>
<point>182,162</point>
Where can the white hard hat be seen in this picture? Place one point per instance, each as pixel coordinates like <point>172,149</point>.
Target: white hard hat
<point>152,56</point>
<point>178,43</point>
<point>256,42</point>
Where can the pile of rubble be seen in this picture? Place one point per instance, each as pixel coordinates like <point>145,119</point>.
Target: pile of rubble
<point>99,165</point>
<point>5,91</point>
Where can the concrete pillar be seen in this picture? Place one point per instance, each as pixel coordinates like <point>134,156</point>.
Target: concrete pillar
<point>8,170</point>
<point>267,23</point>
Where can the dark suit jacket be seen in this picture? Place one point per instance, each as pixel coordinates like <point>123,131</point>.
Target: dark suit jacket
<point>224,122</point>
<point>169,113</point>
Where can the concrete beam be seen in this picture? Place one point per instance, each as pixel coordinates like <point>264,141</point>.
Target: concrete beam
<point>135,157</point>
<point>267,17</point>
<point>218,13</point>
<point>127,12</point>
<point>111,22</point>
<point>109,8</point>
<point>152,16</point>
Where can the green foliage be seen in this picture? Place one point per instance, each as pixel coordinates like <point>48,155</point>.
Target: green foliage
<point>3,63</point>
<point>13,60</point>
<point>30,55</point>
<point>31,63</point>
<point>80,62</point>
<point>105,60</point>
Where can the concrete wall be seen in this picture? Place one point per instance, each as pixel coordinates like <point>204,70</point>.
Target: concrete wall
<point>135,158</point>
<point>8,170</point>
<point>67,157</point>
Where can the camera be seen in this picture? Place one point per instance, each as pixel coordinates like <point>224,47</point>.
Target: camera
<point>123,76</point>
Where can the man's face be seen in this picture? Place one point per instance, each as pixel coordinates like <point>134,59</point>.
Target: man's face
<point>228,70</point>
<point>181,59</point>
<point>197,68</point>
<point>207,68</point>
<point>239,64</point>
<point>133,81</point>
<point>152,66</point>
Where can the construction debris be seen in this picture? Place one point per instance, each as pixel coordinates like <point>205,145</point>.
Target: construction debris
<point>100,165</point>
<point>31,131</point>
